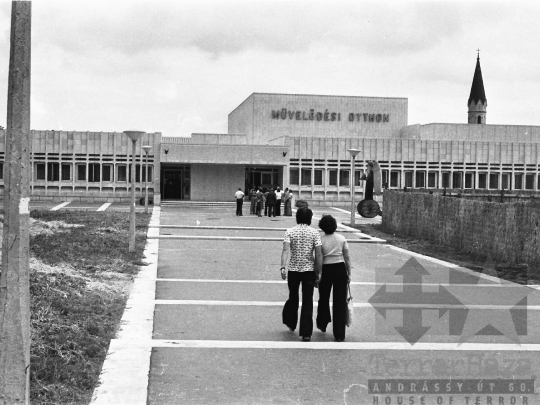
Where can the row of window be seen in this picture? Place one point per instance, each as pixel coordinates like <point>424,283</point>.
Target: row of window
<point>417,179</point>
<point>92,172</point>
<point>335,177</point>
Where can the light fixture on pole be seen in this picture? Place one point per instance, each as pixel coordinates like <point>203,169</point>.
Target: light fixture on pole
<point>134,136</point>
<point>146,149</point>
<point>353,153</point>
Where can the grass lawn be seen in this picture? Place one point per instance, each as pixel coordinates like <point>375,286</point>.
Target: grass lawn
<point>80,276</point>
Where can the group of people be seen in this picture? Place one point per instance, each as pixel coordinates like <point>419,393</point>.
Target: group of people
<point>316,261</point>
<point>269,200</point>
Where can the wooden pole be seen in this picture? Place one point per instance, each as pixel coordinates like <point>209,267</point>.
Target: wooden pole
<point>14,279</point>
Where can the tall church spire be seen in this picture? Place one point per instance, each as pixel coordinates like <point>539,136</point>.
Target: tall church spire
<point>477,99</point>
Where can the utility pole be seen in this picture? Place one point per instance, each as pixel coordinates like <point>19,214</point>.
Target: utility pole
<point>14,279</point>
<point>134,136</point>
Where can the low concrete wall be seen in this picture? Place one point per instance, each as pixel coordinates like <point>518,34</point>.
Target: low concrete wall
<point>508,232</point>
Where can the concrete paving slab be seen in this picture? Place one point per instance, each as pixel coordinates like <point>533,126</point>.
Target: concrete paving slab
<point>278,291</point>
<point>325,377</point>
<point>252,322</point>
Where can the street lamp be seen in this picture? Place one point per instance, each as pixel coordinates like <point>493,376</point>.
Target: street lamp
<point>134,136</point>
<point>146,149</point>
<point>353,153</point>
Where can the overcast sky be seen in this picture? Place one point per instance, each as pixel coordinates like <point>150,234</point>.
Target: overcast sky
<point>180,67</point>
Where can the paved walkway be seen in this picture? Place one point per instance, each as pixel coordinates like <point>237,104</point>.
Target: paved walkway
<point>203,324</point>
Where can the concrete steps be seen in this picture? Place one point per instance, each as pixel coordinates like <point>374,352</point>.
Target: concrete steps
<point>184,203</point>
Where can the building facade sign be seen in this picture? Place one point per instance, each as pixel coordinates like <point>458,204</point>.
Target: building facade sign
<point>327,115</point>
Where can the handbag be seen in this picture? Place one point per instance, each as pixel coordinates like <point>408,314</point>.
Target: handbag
<point>350,308</point>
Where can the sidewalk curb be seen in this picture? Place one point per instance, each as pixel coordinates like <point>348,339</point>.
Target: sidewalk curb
<point>125,372</point>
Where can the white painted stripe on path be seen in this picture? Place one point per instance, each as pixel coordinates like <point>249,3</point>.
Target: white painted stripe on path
<point>344,211</point>
<point>233,344</point>
<point>356,305</point>
<point>125,372</point>
<point>104,207</point>
<point>56,208</point>
<point>366,239</point>
<point>504,283</point>
<point>246,228</point>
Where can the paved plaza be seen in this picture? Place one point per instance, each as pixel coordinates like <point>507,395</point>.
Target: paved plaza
<point>203,324</point>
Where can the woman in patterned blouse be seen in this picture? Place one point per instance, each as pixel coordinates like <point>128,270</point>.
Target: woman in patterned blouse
<point>300,245</point>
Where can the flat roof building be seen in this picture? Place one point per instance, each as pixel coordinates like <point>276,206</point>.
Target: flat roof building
<point>296,141</point>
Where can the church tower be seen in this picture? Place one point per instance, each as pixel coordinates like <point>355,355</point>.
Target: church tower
<point>477,100</point>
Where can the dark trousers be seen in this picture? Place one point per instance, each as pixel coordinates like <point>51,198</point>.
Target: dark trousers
<point>265,208</point>
<point>290,310</point>
<point>278,208</point>
<point>333,275</point>
<point>271,209</point>
<point>239,203</point>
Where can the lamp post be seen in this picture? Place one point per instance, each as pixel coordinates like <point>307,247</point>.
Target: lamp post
<point>134,136</point>
<point>146,149</point>
<point>353,153</point>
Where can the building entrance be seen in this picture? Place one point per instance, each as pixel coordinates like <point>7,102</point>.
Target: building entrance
<point>265,177</point>
<point>176,183</point>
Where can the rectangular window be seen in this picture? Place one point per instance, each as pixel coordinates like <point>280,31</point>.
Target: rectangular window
<point>66,172</point>
<point>53,171</point>
<point>529,182</point>
<point>121,170</point>
<point>494,181</point>
<point>358,175</point>
<point>446,180</point>
<point>506,181</point>
<point>420,179</point>
<point>138,173</point>
<point>432,179</point>
<point>40,171</point>
<point>469,180</point>
<point>81,172</point>
<point>318,180</point>
<point>106,172</point>
<point>394,179</point>
<point>293,176</point>
<point>332,177</point>
<point>456,179</point>
<point>408,179</point>
<point>482,180</point>
<point>518,181</point>
<point>385,178</point>
<point>150,172</point>
<point>344,177</point>
<point>93,172</point>
<point>1,170</point>
<point>306,177</point>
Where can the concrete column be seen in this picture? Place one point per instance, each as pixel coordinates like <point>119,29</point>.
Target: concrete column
<point>14,279</point>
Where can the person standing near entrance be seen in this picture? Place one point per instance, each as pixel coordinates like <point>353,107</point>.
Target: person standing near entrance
<point>253,200</point>
<point>271,203</point>
<point>279,194</point>
<point>259,204</point>
<point>239,195</point>
<point>265,194</point>
<point>287,199</point>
